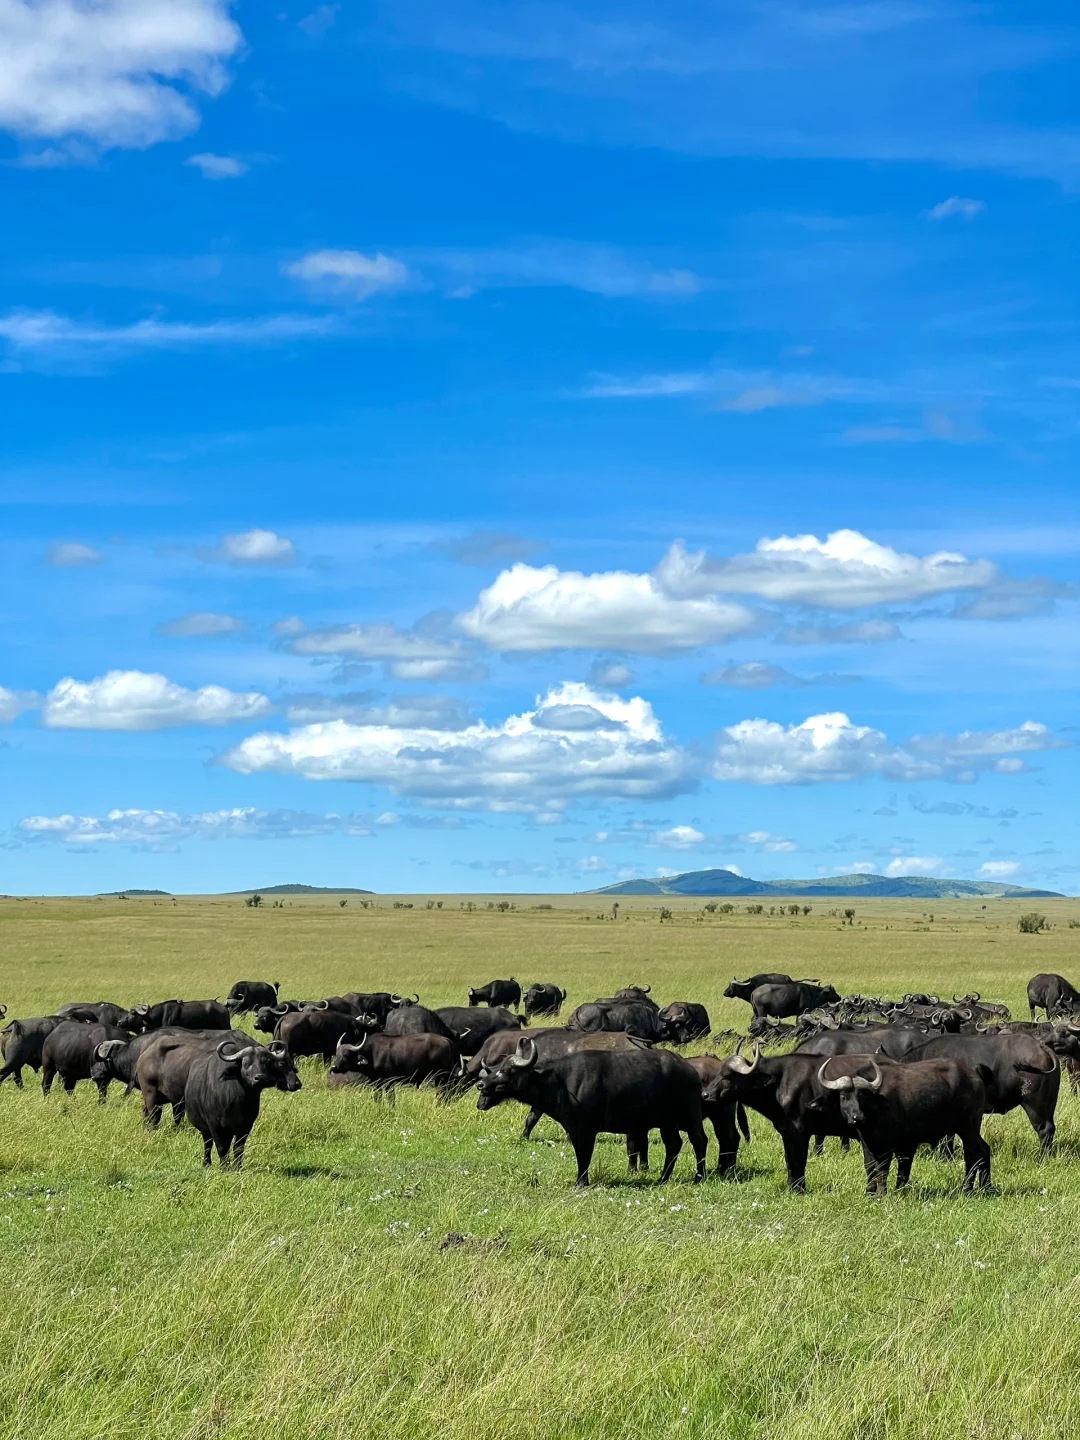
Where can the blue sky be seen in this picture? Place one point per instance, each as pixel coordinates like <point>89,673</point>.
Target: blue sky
<point>522,446</point>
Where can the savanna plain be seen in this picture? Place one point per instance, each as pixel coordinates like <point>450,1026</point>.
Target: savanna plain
<point>416,1270</point>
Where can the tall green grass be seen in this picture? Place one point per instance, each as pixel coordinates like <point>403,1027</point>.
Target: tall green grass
<point>416,1270</point>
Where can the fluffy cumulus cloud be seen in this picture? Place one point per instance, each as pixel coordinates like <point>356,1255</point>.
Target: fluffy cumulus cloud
<point>164,829</point>
<point>251,547</point>
<point>530,609</point>
<point>348,273</point>
<point>72,555</point>
<point>526,764</point>
<point>831,749</point>
<point>136,700</point>
<point>913,865</point>
<point>114,72</point>
<point>845,571</point>
<point>999,870</point>
<point>202,624</point>
<point>423,653</point>
<point>678,837</point>
<point>14,703</point>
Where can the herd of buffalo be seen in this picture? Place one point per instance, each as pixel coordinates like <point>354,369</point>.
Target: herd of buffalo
<point>893,1075</point>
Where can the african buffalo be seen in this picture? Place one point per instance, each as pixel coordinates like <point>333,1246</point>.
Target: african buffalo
<point>223,1090</point>
<point>267,1016</point>
<point>417,1020</point>
<point>743,989</point>
<point>117,1059</point>
<point>377,1003</point>
<point>899,1107</point>
<point>589,1091</point>
<point>161,1070</point>
<point>685,1021</point>
<point>637,995</point>
<point>68,1051</point>
<point>96,1012</point>
<point>497,992</point>
<point>247,995</point>
<point>181,1014</point>
<point>784,1000</point>
<point>727,1119</point>
<point>1016,1070</point>
<point>1054,994</point>
<point>316,1032</point>
<point>631,1016</point>
<point>543,998</point>
<point>22,1042</point>
<point>471,1027</point>
<point>389,1060</point>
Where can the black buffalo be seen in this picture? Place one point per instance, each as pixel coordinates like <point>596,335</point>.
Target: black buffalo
<point>896,1108</point>
<point>631,1016</point>
<point>637,994</point>
<point>377,1003</point>
<point>267,1016</point>
<point>389,1060</point>
<point>248,995</point>
<point>726,1118</point>
<point>895,1042</point>
<point>1054,994</point>
<point>594,1091</point>
<point>117,1059</point>
<point>22,1041</point>
<point>685,1021</point>
<point>543,998</point>
<point>780,1001</point>
<point>68,1051</point>
<point>1016,1069</point>
<point>177,1014</point>
<point>497,992</point>
<point>785,1089</point>
<point>417,1020</point>
<point>471,1027</point>
<point>99,1012</point>
<point>161,1070</point>
<point>317,1032</point>
<point>223,1091</point>
<point>743,989</point>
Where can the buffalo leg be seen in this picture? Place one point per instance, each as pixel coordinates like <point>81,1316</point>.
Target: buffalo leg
<point>153,1104</point>
<point>69,1085</point>
<point>178,1112</point>
<point>637,1151</point>
<point>207,1149</point>
<point>584,1145</point>
<point>239,1145</point>
<point>796,1147</point>
<point>47,1076</point>
<point>903,1169</point>
<point>819,1145</point>
<point>976,1161</point>
<point>1042,1124</point>
<point>16,1075</point>
<point>103,1091</point>
<point>877,1165</point>
<point>672,1145</point>
<point>699,1140</point>
<point>727,1138</point>
<point>222,1142</point>
<point>531,1121</point>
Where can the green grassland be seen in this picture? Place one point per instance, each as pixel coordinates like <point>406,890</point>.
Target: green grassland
<point>415,1270</point>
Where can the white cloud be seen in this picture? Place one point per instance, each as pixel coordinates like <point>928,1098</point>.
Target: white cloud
<point>202,624</point>
<point>758,675</point>
<point>136,700</point>
<point>913,865</point>
<point>610,674</point>
<point>43,331</point>
<point>518,766</point>
<point>218,167</point>
<point>999,869</point>
<point>252,547</point>
<point>647,387</point>
<point>768,842</point>
<point>594,269</point>
<point>14,702</point>
<point>403,712</point>
<point>1010,599</point>
<point>756,398</point>
<point>72,555</point>
<point>860,632</point>
<point>321,19</point>
<point>417,654</point>
<point>101,72</point>
<point>829,748</point>
<point>956,206</point>
<point>348,272</point>
<point>843,572</point>
<point>536,609</point>
<point>164,829</point>
<point>679,837</point>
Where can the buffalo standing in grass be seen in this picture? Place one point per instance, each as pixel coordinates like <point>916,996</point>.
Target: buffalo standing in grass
<point>391,1060</point>
<point>223,1092</point>
<point>249,995</point>
<point>267,1016</point>
<point>471,1027</point>
<point>900,1107</point>
<point>1054,994</point>
<point>543,998</point>
<point>417,1020</point>
<point>590,1091</point>
<point>726,1118</point>
<point>96,1012</point>
<point>22,1043</point>
<point>317,1032</point>
<point>68,1051</point>
<point>782,1001</point>
<point>177,1014</point>
<point>685,1021</point>
<point>497,992</point>
<point>743,989</point>
<point>161,1070</point>
<point>118,1059</point>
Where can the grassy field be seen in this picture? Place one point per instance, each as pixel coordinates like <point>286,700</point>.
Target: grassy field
<point>319,1294</point>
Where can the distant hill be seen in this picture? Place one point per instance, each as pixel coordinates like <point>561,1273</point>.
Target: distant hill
<point>903,887</point>
<point>110,894</point>
<point>295,890</point>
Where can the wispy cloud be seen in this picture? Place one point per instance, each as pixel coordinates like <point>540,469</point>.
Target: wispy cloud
<point>956,207</point>
<point>30,331</point>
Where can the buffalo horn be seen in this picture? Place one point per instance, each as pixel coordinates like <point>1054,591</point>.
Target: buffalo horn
<point>279,1009</point>
<point>278,1049</point>
<point>320,1005</point>
<point>525,1057</point>
<point>140,1009</point>
<point>740,1064</point>
<point>845,1082</point>
<point>237,1054</point>
<point>105,1049</point>
<point>3,1011</point>
<point>861,1083</point>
